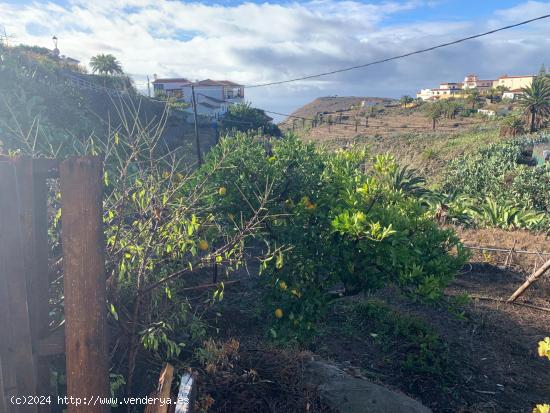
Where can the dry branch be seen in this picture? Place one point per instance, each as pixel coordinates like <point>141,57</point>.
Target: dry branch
<point>530,280</point>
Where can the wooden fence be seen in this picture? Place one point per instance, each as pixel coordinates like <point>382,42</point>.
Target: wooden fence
<point>27,341</point>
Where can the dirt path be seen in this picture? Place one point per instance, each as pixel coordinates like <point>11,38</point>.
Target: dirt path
<point>493,362</point>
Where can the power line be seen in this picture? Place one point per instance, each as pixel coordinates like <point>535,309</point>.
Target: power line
<point>347,69</point>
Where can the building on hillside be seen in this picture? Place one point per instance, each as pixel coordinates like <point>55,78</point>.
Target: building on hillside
<point>424,94</point>
<point>457,89</point>
<point>213,97</point>
<point>514,82</point>
<point>452,85</point>
<point>169,88</point>
<point>512,94</point>
<point>444,91</point>
<point>473,82</point>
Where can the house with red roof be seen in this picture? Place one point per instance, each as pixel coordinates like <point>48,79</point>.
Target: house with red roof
<point>213,97</point>
<point>514,84</point>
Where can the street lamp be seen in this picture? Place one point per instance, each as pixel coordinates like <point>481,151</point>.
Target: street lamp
<point>55,50</point>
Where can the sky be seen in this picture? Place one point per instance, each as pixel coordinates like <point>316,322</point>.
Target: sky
<point>263,41</point>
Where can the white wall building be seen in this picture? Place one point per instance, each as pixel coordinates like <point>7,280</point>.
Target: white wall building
<point>213,97</point>
<point>456,89</point>
<point>170,88</point>
<point>474,82</point>
<point>512,94</point>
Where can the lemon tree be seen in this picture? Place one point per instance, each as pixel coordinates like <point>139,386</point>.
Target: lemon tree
<point>332,219</point>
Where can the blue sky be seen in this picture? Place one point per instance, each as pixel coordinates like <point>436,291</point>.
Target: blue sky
<point>258,41</point>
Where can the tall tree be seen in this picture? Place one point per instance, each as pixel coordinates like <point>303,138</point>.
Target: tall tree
<point>473,97</point>
<point>406,100</point>
<point>106,64</point>
<point>535,101</point>
<point>434,111</point>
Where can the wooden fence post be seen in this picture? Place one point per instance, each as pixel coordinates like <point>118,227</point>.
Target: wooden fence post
<point>84,282</point>
<point>163,391</point>
<point>16,354</point>
<point>34,232</point>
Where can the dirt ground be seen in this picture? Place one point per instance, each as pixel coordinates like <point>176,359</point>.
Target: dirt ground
<point>537,246</point>
<point>381,120</point>
<point>387,125</point>
<point>492,346</point>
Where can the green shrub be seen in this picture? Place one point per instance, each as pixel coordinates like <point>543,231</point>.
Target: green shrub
<point>333,218</point>
<point>243,117</point>
<point>506,215</point>
<point>530,187</point>
<point>470,211</point>
<point>498,172</point>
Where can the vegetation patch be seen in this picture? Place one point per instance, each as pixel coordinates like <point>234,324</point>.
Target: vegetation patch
<point>411,345</point>
<point>500,185</point>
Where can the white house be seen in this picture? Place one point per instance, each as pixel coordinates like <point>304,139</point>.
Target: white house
<point>445,90</point>
<point>169,87</point>
<point>455,89</point>
<point>512,94</point>
<point>213,97</point>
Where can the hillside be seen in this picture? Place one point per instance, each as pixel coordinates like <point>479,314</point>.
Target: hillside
<point>384,126</point>
<point>40,99</point>
<point>331,104</point>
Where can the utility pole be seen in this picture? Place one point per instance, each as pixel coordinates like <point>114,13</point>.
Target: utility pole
<point>4,36</point>
<point>148,87</point>
<point>197,140</point>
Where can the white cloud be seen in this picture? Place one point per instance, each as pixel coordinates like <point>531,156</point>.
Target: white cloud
<point>254,43</point>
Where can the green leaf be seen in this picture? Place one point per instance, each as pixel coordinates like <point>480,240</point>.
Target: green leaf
<point>112,309</point>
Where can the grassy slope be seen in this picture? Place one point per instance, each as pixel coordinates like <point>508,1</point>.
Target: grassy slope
<point>405,132</point>
<point>430,152</point>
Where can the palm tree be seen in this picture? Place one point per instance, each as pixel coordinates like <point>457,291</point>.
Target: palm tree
<point>434,111</point>
<point>492,94</point>
<point>473,97</point>
<point>406,100</point>
<point>106,64</point>
<point>513,126</point>
<point>535,101</point>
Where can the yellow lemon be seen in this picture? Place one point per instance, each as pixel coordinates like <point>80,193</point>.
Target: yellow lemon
<point>310,206</point>
<point>544,348</point>
<point>203,245</point>
<point>278,313</point>
<point>282,285</point>
<point>222,191</point>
